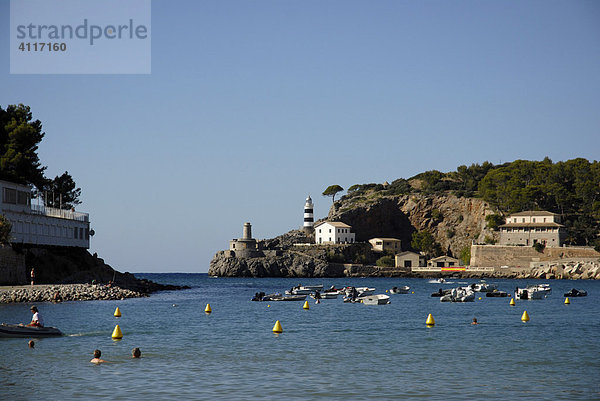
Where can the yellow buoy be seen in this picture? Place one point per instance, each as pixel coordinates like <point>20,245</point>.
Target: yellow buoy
<point>117,312</point>
<point>567,302</point>
<point>117,334</point>
<point>525,316</point>
<point>208,309</point>
<point>480,298</point>
<point>412,292</point>
<point>430,321</point>
<point>512,302</point>
<point>306,305</point>
<point>277,328</point>
<point>268,306</point>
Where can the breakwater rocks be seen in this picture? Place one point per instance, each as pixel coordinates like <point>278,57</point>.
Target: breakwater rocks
<point>568,271</point>
<point>65,292</point>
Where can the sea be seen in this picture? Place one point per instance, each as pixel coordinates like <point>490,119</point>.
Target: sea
<point>332,351</point>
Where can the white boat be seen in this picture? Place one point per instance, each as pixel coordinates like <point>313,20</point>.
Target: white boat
<point>325,295</point>
<point>531,292</point>
<point>440,280</point>
<point>19,330</point>
<point>545,288</point>
<point>459,294</point>
<point>484,287</point>
<point>400,290</point>
<point>376,299</point>
<point>304,289</point>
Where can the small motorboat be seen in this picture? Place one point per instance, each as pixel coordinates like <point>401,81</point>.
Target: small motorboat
<point>496,294</point>
<point>400,290</point>
<point>544,288</point>
<point>459,294</point>
<point>304,289</point>
<point>376,299</point>
<point>482,286</point>
<point>279,297</point>
<point>19,330</point>
<point>441,293</point>
<point>325,295</point>
<point>261,296</point>
<point>531,292</point>
<point>440,280</point>
<point>576,293</point>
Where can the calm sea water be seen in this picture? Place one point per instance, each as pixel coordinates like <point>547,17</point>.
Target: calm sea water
<point>332,351</point>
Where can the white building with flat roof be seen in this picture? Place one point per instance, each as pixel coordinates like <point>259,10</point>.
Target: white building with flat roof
<point>334,232</point>
<point>41,225</point>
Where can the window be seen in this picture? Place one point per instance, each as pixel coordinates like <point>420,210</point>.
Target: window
<point>319,231</point>
<point>75,233</point>
<point>308,210</point>
<point>329,239</point>
<point>534,219</point>
<point>330,231</point>
<point>81,233</point>
<point>23,198</point>
<point>9,196</point>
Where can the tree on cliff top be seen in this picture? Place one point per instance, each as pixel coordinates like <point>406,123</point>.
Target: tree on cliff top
<point>63,192</point>
<point>332,190</point>
<point>19,162</point>
<point>19,139</point>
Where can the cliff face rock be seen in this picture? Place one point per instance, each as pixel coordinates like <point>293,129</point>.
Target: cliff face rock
<point>287,264</point>
<point>453,221</point>
<point>63,265</point>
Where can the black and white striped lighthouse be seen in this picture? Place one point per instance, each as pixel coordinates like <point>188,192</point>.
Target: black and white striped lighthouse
<point>309,220</point>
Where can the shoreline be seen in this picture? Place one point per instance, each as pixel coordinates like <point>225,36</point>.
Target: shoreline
<point>65,292</point>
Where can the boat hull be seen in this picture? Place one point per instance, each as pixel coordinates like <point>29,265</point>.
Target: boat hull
<point>15,330</point>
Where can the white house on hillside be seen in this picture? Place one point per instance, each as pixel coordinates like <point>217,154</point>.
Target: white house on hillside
<point>334,232</point>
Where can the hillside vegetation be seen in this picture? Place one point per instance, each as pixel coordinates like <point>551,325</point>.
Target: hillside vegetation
<point>570,188</point>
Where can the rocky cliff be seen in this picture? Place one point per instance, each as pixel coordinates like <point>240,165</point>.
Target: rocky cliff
<point>453,221</point>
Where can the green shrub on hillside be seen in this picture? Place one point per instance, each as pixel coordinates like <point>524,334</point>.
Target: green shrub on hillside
<point>386,261</point>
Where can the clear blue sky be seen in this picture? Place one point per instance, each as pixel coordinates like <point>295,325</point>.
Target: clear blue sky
<point>253,105</point>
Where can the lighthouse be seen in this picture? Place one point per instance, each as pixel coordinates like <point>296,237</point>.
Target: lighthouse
<point>309,220</point>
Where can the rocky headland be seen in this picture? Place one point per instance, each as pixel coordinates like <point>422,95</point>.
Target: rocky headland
<point>455,223</point>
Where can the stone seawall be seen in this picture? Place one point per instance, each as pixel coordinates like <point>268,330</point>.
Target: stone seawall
<point>12,266</point>
<point>528,257</point>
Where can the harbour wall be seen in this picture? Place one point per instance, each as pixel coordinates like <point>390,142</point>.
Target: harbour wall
<point>528,257</point>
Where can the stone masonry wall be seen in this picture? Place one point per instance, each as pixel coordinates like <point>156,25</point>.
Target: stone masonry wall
<point>12,267</point>
<point>523,256</point>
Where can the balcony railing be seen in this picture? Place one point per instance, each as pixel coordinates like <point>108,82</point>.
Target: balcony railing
<point>60,213</point>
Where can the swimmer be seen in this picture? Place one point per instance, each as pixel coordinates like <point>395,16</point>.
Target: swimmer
<point>31,344</point>
<point>136,353</point>
<point>474,321</point>
<point>96,359</point>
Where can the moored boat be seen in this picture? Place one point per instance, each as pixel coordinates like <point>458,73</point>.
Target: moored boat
<point>497,294</point>
<point>576,293</point>
<point>400,290</point>
<point>304,289</point>
<point>376,299</point>
<point>18,330</point>
<point>459,294</point>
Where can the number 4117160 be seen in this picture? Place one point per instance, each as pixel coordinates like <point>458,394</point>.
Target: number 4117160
<point>42,46</point>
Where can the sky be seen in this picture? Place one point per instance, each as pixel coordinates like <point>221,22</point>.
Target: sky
<point>252,106</point>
